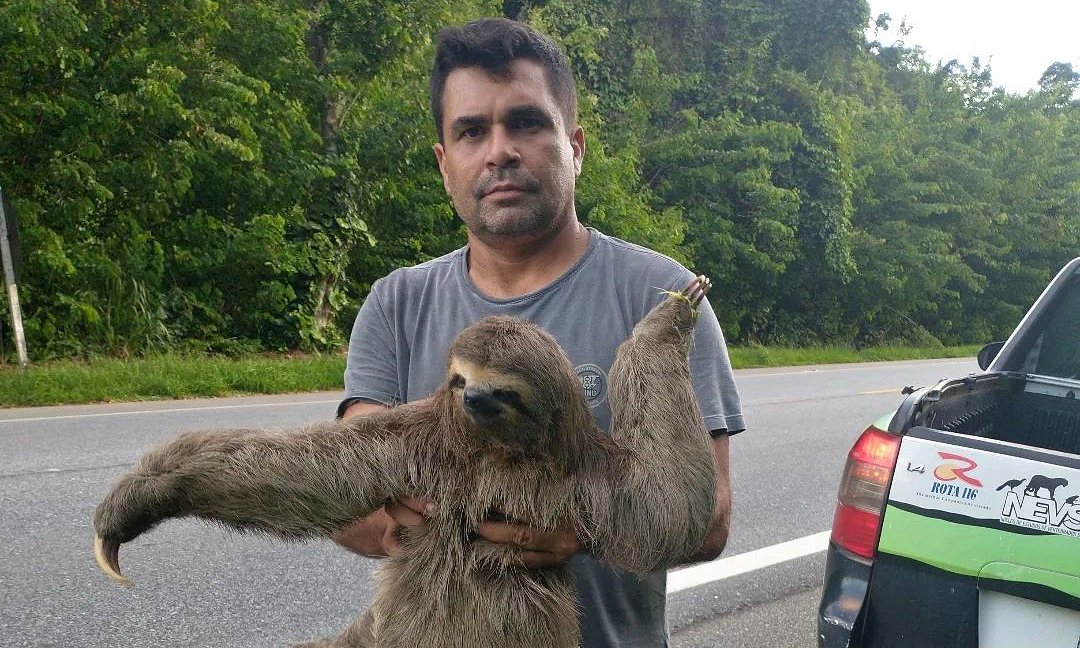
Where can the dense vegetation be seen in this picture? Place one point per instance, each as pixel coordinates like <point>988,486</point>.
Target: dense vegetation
<point>204,176</point>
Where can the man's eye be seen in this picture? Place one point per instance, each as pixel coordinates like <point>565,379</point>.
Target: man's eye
<point>472,133</point>
<point>529,123</point>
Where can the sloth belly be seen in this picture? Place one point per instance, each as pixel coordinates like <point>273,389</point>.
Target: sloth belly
<point>469,594</point>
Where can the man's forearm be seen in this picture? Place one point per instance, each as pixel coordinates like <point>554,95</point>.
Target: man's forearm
<point>716,539</point>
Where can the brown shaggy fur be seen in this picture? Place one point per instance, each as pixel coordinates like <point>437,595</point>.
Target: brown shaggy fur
<point>508,435</point>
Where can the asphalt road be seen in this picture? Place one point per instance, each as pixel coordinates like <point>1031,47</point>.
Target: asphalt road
<point>201,586</point>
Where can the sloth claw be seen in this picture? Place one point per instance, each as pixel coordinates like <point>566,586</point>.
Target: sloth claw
<point>695,292</point>
<point>107,556</point>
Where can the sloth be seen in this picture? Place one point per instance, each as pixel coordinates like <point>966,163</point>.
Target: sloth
<point>507,436</point>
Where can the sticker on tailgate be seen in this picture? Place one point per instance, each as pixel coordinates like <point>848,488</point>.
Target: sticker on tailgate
<point>987,485</point>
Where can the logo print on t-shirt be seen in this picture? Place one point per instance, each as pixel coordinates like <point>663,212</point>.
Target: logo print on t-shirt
<point>593,383</point>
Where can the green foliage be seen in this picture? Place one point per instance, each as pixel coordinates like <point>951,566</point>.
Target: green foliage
<point>231,177</point>
<point>611,194</point>
<point>762,356</point>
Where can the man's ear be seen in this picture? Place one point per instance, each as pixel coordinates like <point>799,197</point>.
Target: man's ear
<point>577,142</point>
<point>440,157</point>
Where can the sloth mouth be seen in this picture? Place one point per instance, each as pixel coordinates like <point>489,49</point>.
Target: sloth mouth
<point>488,404</point>
<point>484,419</point>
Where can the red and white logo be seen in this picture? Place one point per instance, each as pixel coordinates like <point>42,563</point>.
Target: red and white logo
<point>956,467</point>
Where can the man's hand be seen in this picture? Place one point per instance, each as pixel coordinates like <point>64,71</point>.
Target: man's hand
<point>379,534</point>
<point>407,512</point>
<point>539,549</point>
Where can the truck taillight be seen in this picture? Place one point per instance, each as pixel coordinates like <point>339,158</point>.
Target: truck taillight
<point>862,492</point>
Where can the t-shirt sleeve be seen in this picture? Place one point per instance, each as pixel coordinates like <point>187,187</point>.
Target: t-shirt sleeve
<point>371,371</point>
<point>714,380</point>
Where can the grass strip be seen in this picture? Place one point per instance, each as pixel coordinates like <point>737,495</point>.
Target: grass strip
<point>186,376</point>
<point>761,356</point>
<point>166,377</point>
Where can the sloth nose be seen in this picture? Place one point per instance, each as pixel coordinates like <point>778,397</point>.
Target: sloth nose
<point>480,401</point>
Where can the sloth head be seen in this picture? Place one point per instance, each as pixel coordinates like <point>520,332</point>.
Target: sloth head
<point>515,389</point>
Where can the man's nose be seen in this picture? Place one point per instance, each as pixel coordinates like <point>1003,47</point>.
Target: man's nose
<point>502,150</point>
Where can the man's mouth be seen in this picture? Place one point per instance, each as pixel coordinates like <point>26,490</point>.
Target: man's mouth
<point>506,185</point>
<point>503,190</point>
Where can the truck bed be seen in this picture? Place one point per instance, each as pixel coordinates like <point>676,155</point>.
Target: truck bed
<point>1036,412</point>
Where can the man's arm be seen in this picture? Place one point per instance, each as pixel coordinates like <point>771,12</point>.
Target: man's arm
<point>716,539</point>
<point>376,536</point>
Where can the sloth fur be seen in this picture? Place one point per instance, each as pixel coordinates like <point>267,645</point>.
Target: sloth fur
<point>507,436</point>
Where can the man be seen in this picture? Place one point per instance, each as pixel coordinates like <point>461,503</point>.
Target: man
<point>510,151</point>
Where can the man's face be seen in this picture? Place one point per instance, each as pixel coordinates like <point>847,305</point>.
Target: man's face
<point>508,160</point>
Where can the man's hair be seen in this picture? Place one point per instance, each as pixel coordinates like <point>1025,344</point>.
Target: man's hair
<point>493,44</point>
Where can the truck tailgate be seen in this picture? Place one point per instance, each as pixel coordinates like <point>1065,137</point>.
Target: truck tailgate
<point>981,542</point>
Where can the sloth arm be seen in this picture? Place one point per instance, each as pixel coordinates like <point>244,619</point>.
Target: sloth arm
<point>625,525</point>
<point>656,503</point>
<point>377,534</point>
<point>294,484</point>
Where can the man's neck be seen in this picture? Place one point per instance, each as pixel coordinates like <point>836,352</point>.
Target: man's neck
<point>511,268</point>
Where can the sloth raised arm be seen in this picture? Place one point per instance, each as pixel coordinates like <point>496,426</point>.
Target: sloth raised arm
<point>292,484</point>
<point>662,477</point>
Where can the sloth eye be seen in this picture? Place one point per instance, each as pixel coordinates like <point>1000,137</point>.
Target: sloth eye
<point>457,381</point>
<point>511,398</point>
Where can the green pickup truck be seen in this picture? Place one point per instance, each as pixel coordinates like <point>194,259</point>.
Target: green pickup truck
<point>958,518</point>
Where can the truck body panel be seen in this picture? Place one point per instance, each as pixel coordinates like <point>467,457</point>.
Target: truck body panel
<point>979,537</point>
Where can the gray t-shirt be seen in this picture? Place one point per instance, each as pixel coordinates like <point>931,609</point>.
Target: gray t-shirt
<point>397,353</point>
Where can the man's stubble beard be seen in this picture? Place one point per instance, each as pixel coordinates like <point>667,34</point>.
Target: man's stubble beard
<point>512,220</point>
<point>528,215</point>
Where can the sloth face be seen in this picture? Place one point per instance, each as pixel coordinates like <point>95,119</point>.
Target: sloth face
<point>488,395</point>
<point>513,384</point>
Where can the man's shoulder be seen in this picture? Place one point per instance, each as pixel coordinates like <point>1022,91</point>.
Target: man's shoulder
<point>421,273</point>
<point>637,260</point>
